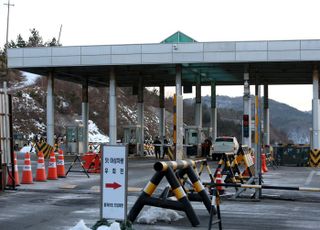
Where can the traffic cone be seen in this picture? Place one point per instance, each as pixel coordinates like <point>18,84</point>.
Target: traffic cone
<point>16,173</point>
<point>219,181</point>
<point>60,165</point>
<point>52,168</point>
<point>27,172</point>
<point>41,169</point>
<point>264,168</point>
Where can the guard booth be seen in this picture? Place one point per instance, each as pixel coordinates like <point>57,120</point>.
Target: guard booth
<point>193,138</point>
<point>132,138</point>
<point>74,140</point>
<point>19,141</point>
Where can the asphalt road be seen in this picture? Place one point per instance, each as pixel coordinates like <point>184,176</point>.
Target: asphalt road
<point>61,204</point>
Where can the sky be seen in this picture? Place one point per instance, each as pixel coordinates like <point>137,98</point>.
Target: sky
<point>98,22</point>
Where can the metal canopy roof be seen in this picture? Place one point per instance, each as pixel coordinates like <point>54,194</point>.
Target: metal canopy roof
<point>273,62</point>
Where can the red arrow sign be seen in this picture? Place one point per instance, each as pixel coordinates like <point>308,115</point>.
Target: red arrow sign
<point>113,185</point>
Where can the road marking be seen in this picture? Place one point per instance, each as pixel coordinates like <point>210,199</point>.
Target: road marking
<point>95,188</point>
<point>134,189</point>
<point>68,186</point>
<point>309,178</point>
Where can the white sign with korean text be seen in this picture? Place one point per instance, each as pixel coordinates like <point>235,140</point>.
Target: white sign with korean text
<point>114,182</point>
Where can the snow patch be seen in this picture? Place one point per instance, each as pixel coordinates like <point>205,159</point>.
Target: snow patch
<point>113,226</point>
<point>95,135</point>
<point>80,226</point>
<point>154,214</point>
<point>27,149</point>
<point>30,78</point>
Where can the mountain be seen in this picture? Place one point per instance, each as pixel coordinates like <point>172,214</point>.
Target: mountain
<point>284,119</point>
<point>29,111</point>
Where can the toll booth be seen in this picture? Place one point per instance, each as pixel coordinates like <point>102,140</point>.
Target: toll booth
<point>132,138</point>
<point>192,136</point>
<point>75,139</point>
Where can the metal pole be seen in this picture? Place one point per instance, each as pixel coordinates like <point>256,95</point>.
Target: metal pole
<point>85,114</point>
<point>50,109</point>
<point>112,108</point>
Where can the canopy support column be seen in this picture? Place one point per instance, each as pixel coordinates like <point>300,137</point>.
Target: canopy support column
<point>85,114</point>
<point>141,117</point>
<point>50,109</point>
<point>112,108</point>
<point>162,123</point>
<point>246,137</point>
<point>179,115</point>
<point>266,118</point>
<point>198,113</point>
<point>315,110</point>
<point>213,124</point>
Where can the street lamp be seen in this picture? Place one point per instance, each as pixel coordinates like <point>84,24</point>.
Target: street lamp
<point>7,35</point>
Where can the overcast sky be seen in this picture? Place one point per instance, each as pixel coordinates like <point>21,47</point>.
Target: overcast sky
<point>93,22</point>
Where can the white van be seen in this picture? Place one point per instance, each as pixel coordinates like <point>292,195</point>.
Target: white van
<point>224,144</point>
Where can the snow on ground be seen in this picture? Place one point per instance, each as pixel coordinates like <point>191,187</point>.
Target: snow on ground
<point>30,78</point>
<point>95,135</point>
<point>154,214</point>
<point>82,226</point>
<point>28,149</point>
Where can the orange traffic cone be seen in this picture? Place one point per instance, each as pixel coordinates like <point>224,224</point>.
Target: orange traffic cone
<point>60,165</point>
<point>41,169</point>
<point>15,176</point>
<point>27,172</point>
<point>264,168</point>
<point>219,181</point>
<point>52,167</point>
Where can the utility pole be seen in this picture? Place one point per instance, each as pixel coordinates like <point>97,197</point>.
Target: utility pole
<point>8,16</point>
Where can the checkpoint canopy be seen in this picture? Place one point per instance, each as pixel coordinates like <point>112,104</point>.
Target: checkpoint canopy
<point>271,62</point>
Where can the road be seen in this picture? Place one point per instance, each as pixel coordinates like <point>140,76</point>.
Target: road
<point>61,204</point>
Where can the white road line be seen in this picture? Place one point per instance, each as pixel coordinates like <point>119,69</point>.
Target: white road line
<point>309,178</point>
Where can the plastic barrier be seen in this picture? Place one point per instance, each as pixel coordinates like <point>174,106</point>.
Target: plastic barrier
<point>172,171</point>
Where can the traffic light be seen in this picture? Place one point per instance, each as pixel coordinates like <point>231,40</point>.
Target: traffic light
<point>245,125</point>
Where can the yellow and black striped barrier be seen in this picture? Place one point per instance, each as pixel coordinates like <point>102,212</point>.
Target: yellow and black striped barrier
<point>314,159</point>
<point>172,171</point>
<point>45,148</point>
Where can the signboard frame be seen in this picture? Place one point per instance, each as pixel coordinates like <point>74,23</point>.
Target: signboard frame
<point>121,151</point>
